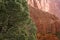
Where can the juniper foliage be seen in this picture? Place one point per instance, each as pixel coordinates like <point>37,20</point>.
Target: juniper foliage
<point>15,22</point>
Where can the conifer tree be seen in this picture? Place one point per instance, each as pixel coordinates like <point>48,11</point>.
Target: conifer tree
<point>15,22</point>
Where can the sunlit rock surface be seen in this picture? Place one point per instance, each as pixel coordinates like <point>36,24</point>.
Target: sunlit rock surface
<point>46,23</point>
<point>39,12</point>
<point>45,13</point>
<point>43,20</point>
<point>51,6</point>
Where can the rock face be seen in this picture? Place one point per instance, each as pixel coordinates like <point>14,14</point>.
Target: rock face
<point>44,20</point>
<point>43,14</point>
<point>51,6</point>
<point>46,23</point>
<point>40,4</point>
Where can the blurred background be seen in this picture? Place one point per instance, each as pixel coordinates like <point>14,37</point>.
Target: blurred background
<point>51,6</point>
<point>46,15</point>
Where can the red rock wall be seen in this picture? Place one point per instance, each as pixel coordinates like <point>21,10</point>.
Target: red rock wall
<point>45,22</point>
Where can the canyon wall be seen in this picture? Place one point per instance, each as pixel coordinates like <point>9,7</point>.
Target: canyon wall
<point>51,6</point>
<point>42,12</point>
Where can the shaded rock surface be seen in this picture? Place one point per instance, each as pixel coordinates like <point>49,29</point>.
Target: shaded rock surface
<point>45,22</point>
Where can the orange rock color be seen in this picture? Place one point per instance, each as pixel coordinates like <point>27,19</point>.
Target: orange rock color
<point>45,23</point>
<point>43,20</point>
<point>47,37</point>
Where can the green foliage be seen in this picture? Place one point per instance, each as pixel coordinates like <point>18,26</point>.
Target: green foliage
<point>15,22</point>
<point>58,34</point>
